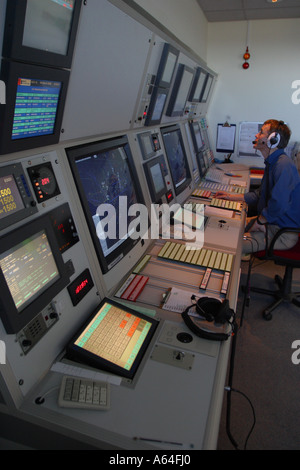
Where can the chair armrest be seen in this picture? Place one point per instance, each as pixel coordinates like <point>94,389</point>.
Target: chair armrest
<point>278,234</point>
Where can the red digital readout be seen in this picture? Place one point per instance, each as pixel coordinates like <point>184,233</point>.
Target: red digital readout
<point>45,181</point>
<point>81,286</point>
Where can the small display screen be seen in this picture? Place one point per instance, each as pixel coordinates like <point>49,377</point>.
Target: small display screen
<point>177,159</point>
<point>35,108</point>
<point>115,339</point>
<point>29,268</point>
<point>157,178</point>
<point>10,199</point>
<point>48,25</point>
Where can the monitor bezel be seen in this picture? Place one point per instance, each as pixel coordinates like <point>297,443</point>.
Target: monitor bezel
<point>74,153</point>
<point>206,90</point>
<point>192,97</point>
<point>12,319</point>
<point>13,38</point>
<point>181,71</point>
<point>175,128</point>
<point>161,87</point>
<point>79,355</point>
<point>168,50</point>
<point>155,195</point>
<point>10,73</point>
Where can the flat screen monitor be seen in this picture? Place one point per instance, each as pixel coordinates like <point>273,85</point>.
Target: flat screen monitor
<point>165,72</point>
<point>108,186</point>
<point>154,171</point>
<point>198,85</point>
<point>32,272</point>
<point>180,92</point>
<point>177,158</point>
<point>41,31</point>
<point>115,339</point>
<point>35,98</point>
<point>207,88</point>
<point>167,66</point>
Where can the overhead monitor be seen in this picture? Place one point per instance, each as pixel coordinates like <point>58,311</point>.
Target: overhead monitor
<point>115,339</point>
<point>198,85</point>
<point>154,171</point>
<point>181,91</point>
<point>207,88</point>
<point>32,272</point>
<point>162,84</point>
<point>35,99</point>
<point>167,66</point>
<point>177,158</point>
<point>108,187</point>
<point>41,31</point>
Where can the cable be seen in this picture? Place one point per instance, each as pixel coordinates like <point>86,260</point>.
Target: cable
<point>230,389</point>
<point>254,417</point>
<point>40,400</point>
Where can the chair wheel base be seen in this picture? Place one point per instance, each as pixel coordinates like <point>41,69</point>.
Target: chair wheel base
<point>267,316</point>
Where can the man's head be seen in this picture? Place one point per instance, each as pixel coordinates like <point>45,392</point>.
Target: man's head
<point>281,131</point>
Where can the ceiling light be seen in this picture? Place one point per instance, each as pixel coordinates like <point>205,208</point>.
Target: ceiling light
<point>274,1</point>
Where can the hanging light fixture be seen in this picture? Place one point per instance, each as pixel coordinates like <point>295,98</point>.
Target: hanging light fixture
<point>246,56</point>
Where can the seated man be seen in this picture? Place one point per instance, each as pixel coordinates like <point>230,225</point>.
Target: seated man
<point>278,199</point>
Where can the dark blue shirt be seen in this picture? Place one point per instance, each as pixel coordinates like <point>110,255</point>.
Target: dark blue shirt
<point>281,206</point>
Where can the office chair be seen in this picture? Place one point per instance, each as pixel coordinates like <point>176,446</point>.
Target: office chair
<point>288,258</point>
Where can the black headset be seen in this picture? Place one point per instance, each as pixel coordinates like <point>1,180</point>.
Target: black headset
<point>273,140</point>
<point>212,310</point>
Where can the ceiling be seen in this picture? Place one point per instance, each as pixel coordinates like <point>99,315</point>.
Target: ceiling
<point>239,10</point>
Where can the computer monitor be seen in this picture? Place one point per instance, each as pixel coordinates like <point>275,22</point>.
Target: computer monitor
<point>108,186</point>
<point>207,88</point>
<point>32,272</point>
<point>198,143</point>
<point>35,99</point>
<point>115,339</point>
<point>180,91</point>
<point>154,171</point>
<point>198,85</point>
<point>41,31</point>
<point>162,84</point>
<point>177,158</point>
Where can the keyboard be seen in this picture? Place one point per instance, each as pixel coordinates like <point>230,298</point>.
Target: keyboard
<point>224,204</point>
<point>76,392</point>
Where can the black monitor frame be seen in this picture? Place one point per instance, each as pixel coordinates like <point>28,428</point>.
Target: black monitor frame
<point>179,86</point>
<point>78,152</point>
<point>162,84</point>
<point>77,354</point>
<point>175,128</point>
<point>13,38</point>
<point>13,320</point>
<point>10,73</point>
<point>207,88</point>
<point>155,195</point>
<point>195,94</point>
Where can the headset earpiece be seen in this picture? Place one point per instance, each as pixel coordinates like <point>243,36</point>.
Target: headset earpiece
<point>273,140</point>
<point>211,310</point>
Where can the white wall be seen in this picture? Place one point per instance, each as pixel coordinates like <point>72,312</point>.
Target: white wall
<point>184,18</point>
<point>264,90</point>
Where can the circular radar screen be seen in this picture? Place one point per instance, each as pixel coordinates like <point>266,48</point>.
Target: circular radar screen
<point>43,181</point>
